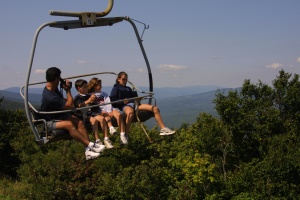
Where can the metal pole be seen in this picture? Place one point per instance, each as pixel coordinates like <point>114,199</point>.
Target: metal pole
<point>144,54</point>
<point>37,137</point>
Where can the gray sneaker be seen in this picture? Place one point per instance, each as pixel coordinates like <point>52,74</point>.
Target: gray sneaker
<point>108,144</point>
<point>91,155</point>
<point>166,131</point>
<point>123,139</point>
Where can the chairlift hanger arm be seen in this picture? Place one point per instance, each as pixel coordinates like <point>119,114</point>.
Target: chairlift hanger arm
<point>79,14</point>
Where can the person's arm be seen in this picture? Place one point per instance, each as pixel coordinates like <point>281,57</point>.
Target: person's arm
<point>108,107</point>
<point>82,103</point>
<point>69,101</point>
<point>130,95</point>
<point>114,96</point>
<point>87,102</point>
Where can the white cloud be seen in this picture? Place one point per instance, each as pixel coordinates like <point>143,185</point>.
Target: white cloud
<point>81,62</point>
<point>298,60</point>
<point>40,71</point>
<point>274,65</point>
<point>172,67</point>
<point>141,70</point>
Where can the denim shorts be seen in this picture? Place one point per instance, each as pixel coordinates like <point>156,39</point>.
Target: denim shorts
<point>51,125</point>
<point>129,104</point>
<point>122,111</point>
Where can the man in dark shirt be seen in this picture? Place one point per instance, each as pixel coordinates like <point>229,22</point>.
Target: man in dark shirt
<point>52,100</point>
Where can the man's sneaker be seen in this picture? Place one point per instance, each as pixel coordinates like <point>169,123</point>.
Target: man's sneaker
<point>98,142</point>
<point>91,155</point>
<point>97,148</point>
<point>108,144</point>
<point>112,130</point>
<point>166,131</point>
<point>123,139</point>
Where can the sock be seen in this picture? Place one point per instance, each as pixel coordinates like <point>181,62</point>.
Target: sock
<point>106,138</point>
<point>122,133</point>
<point>98,141</point>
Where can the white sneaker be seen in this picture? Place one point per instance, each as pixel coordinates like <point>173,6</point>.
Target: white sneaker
<point>112,130</point>
<point>91,155</point>
<point>98,142</point>
<point>97,148</point>
<point>108,144</point>
<point>166,131</point>
<point>123,139</point>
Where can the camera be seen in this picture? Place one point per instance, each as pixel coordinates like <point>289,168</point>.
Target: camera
<point>63,83</point>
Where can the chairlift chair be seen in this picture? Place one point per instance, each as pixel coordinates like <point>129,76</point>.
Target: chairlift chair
<point>85,20</point>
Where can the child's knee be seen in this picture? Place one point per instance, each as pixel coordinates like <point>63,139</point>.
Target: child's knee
<point>155,109</point>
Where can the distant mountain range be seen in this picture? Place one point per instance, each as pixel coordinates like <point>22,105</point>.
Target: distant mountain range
<point>177,105</point>
<point>162,92</point>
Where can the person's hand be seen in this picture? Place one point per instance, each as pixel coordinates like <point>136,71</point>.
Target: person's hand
<point>93,97</point>
<point>67,86</point>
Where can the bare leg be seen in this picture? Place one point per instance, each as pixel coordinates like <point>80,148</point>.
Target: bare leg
<point>103,124</point>
<point>107,118</point>
<point>95,129</point>
<point>79,124</point>
<point>74,132</point>
<point>119,117</point>
<point>129,116</point>
<point>155,111</point>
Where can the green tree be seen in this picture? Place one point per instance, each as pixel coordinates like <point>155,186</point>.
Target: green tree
<point>11,122</point>
<point>264,122</point>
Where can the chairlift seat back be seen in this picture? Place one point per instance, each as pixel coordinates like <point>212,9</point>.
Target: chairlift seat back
<point>50,136</point>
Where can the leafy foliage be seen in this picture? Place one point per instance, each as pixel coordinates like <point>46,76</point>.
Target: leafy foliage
<point>250,152</point>
<point>11,123</point>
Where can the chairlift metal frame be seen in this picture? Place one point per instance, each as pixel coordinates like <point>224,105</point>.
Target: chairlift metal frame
<point>86,20</point>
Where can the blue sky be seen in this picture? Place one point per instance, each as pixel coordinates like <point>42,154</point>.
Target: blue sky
<point>189,42</point>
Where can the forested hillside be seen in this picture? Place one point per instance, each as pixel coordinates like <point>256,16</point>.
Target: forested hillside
<point>251,151</point>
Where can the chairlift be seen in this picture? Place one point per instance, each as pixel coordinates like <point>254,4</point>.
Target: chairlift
<point>85,20</point>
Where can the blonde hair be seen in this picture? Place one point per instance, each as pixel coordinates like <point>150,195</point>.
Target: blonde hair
<point>93,83</point>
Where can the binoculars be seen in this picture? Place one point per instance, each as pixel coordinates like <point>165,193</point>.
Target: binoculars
<point>63,83</point>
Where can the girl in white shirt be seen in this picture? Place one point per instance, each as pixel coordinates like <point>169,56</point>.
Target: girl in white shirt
<point>95,86</point>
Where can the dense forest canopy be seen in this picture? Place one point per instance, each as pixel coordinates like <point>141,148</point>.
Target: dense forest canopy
<point>251,151</point>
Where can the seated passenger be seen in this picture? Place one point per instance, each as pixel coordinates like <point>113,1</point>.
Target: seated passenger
<point>121,91</point>
<point>94,114</point>
<point>95,86</point>
<point>52,100</point>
